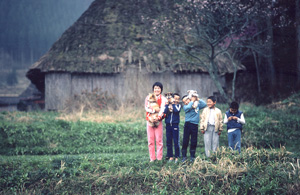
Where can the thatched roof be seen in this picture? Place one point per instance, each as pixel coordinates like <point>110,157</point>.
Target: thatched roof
<point>107,38</point>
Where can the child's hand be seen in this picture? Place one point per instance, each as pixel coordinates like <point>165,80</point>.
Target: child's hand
<point>202,131</point>
<point>157,109</point>
<point>234,118</point>
<point>172,101</point>
<point>193,99</point>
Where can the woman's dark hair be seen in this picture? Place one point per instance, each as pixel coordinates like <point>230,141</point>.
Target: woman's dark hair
<point>234,105</point>
<point>212,98</point>
<point>159,85</point>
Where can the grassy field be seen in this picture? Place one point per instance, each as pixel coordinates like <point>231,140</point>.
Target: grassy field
<point>107,153</point>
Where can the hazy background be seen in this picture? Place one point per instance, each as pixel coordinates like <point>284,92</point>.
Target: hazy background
<point>28,28</point>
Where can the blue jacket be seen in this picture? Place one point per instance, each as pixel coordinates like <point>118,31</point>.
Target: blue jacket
<point>193,115</point>
<point>233,124</point>
<point>172,117</point>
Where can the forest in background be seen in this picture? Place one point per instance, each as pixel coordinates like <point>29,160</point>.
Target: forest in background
<point>276,77</point>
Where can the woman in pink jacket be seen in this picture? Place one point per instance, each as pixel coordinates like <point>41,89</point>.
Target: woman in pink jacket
<point>155,133</point>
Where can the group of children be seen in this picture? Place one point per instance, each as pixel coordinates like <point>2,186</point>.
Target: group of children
<point>211,125</point>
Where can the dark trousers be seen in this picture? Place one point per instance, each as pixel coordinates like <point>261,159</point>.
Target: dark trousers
<point>190,130</point>
<point>172,134</point>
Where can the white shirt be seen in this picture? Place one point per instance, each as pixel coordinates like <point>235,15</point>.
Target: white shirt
<point>211,118</point>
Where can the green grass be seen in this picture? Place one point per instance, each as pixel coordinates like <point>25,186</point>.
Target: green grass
<point>255,171</point>
<point>40,153</point>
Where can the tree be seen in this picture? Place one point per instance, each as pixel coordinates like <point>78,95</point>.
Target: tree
<point>204,31</point>
<point>270,63</point>
<point>298,36</point>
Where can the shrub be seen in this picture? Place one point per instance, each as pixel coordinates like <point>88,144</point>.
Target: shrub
<point>87,101</point>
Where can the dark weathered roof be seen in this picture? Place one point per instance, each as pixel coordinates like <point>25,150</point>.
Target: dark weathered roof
<point>109,36</point>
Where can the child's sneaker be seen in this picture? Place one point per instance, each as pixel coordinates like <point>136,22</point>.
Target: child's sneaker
<point>170,160</point>
<point>183,159</point>
<point>176,160</point>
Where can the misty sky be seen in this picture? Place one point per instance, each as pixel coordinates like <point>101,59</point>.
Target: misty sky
<point>28,28</point>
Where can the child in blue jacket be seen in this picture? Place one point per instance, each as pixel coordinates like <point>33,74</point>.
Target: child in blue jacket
<point>192,118</point>
<point>172,120</point>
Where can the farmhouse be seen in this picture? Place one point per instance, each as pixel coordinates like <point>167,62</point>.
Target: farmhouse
<point>110,48</point>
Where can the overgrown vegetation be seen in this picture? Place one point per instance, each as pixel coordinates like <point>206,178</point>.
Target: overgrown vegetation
<point>59,153</point>
<point>253,172</point>
<point>97,100</point>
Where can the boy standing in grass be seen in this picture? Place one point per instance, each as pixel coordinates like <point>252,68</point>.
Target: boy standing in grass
<point>191,125</point>
<point>172,121</point>
<point>211,125</point>
<point>235,121</point>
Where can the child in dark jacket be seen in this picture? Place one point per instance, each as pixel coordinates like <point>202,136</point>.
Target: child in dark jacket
<point>172,120</point>
<point>235,120</point>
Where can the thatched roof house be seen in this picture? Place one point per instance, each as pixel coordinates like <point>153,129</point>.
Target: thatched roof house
<point>109,47</point>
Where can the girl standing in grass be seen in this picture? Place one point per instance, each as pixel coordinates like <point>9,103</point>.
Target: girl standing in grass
<point>155,133</point>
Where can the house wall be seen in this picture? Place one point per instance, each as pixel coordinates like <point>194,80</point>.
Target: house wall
<point>58,89</point>
<point>132,85</point>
